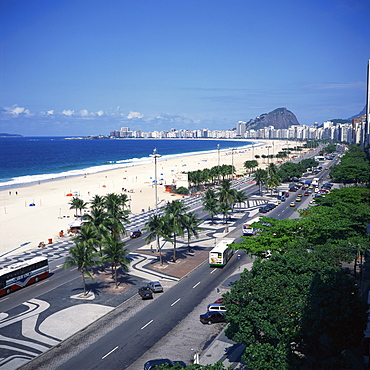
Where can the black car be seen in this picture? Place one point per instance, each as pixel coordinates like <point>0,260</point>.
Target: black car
<point>135,234</point>
<point>264,209</point>
<point>145,292</point>
<point>212,317</point>
<point>152,364</point>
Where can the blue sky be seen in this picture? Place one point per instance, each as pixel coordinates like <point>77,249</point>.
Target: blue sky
<point>83,67</point>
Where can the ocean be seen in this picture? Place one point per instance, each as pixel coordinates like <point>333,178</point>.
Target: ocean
<point>26,160</point>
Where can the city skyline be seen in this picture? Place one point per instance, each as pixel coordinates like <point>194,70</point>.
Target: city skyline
<point>87,68</point>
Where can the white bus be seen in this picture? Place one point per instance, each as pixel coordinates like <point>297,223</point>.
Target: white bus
<point>221,253</point>
<point>20,274</point>
<point>248,230</point>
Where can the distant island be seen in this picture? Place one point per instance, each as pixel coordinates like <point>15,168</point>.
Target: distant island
<point>10,135</point>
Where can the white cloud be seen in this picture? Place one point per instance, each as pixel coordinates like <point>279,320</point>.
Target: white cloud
<point>68,112</point>
<point>100,113</point>
<point>84,112</point>
<point>134,115</point>
<point>50,112</point>
<point>16,111</point>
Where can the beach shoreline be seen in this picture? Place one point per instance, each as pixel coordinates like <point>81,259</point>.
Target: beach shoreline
<point>24,224</point>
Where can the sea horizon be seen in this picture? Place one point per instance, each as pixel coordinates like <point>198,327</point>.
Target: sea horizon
<point>28,160</point>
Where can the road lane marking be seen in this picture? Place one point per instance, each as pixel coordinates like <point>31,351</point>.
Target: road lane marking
<point>41,282</point>
<point>175,302</point>
<point>109,353</point>
<point>146,324</point>
<point>213,271</point>
<point>4,299</point>
<point>196,285</point>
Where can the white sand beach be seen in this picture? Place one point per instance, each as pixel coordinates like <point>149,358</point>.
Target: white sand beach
<point>22,225</point>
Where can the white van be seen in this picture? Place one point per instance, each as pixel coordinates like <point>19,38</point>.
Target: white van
<point>216,307</point>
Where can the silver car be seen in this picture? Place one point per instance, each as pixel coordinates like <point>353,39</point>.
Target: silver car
<point>155,286</point>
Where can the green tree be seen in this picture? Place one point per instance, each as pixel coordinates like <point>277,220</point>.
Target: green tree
<point>333,321</point>
<point>249,165</point>
<point>97,201</point>
<point>77,204</point>
<point>82,255</point>
<point>174,213</point>
<point>240,197</point>
<point>210,203</point>
<point>157,228</point>
<point>225,209</point>
<point>260,177</point>
<point>115,254</point>
<point>191,223</point>
<point>226,194</point>
<point>116,213</point>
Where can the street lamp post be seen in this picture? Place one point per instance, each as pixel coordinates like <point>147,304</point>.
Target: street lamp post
<point>155,155</point>
<point>218,150</point>
<point>232,163</point>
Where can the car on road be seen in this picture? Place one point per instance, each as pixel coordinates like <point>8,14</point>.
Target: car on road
<point>298,199</point>
<point>292,204</point>
<point>306,193</point>
<point>145,292</point>
<point>152,364</point>
<point>264,209</point>
<point>212,317</point>
<point>155,286</point>
<point>135,234</point>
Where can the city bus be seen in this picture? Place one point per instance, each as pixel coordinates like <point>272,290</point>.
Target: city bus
<point>24,273</point>
<point>248,230</point>
<point>221,253</point>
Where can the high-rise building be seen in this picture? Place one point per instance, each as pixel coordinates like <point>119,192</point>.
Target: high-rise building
<point>367,126</point>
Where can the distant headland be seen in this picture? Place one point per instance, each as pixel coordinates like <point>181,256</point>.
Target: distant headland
<point>9,135</point>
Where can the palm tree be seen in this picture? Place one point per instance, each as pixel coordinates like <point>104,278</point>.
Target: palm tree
<point>97,201</point>
<point>174,214</point>
<point>224,209</point>
<point>191,223</point>
<point>115,254</point>
<point>240,197</point>
<point>210,203</point>
<point>260,177</point>
<point>123,200</point>
<point>226,194</point>
<point>98,219</point>
<point>117,215</point>
<point>156,226</point>
<point>82,255</point>
<point>272,170</point>
<point>77,204</point>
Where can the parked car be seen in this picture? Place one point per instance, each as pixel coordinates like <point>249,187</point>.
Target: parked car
<point>264,209</point>
<point>286,194</point>
<point>135,234</point>
<point>220,300</point>
<point>155,286</point>
<point>152,364</point>
<point>216,307</point>
<point>282,198</point>
<point>145,292</point>
<point>212,317</point>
